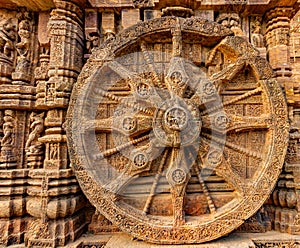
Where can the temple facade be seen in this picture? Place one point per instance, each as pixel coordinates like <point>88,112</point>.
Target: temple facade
<point>136,123</point>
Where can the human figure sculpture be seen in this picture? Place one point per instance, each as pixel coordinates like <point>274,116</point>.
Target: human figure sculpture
<point>7,36</point>
<point>232,21</point>
<point>24,33</point>
<point>22,71</point>
<point>37,127</point>
<point>257,39</point>
<point>8,129</point>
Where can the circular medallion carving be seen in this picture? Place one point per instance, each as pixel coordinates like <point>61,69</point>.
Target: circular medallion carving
<point>178,176</point>
<point>178,153</point>
<point>143,90</point>
<point>140,160</point>
<point>214,157</point>
<point>221,121</point>
<point>129,124</point>
<point>176,118</point>
<point>208,89</point>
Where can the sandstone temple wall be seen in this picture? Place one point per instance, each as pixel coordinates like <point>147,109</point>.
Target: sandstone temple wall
<point>46,45</point>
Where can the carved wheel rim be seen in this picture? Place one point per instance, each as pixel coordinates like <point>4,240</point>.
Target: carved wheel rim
<point>170,124</point>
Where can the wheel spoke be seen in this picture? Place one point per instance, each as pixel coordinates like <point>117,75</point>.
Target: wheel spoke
<point>233,146</point>
<point>178,205</point>
<point>229,72</point>
<point>209,200</point>
<point>117,149</point>
<point>234,100</point>
<point>102,125</point>
<point>121,70</point>
<point>154,185</point>
<point>126,124</point>
<point>178,176</point>
<point>234,180</point>
<point>213,159</point>
<point>225,123</point>
<point>122,100</point>
<point>118,184</point>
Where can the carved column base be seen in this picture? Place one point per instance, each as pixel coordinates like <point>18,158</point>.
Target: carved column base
<point>56,203</point>
<point>287,220</point>
<point>58,207</point>
<point>260,222</point>
<point>100,224</point>
<point>13,223</point>
<point>55,233</point>
<point>13,230</point>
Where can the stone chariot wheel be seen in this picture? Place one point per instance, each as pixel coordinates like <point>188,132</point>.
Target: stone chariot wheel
<point>177,131</point>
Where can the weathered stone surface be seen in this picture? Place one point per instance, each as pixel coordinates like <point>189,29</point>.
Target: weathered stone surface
<point>180,152</point>
<point>180,118</point>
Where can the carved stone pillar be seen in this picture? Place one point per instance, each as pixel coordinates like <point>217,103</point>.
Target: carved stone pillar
<point>41,72</point>
<point>55,141</point>
<point>286,195</point>
<point>66,49</point>
<point>65,29</point>
<point>277,38</point>
<point>57,219</point>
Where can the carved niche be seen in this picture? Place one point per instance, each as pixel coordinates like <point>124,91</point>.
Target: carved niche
<point>177,130</point>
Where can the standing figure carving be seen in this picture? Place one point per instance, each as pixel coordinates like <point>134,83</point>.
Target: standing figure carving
<point>24,33</point>
<point>53,151</point>
<point>7,39</point>
<point>37,127</point>
<point>257,39</point>
<point>8,128</point>
<point>22,72</point>
<point>8,158</point>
